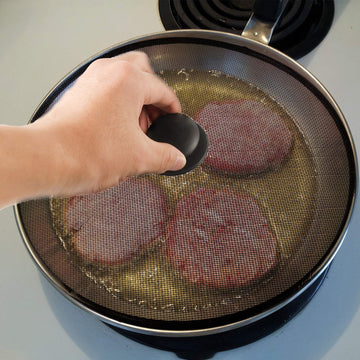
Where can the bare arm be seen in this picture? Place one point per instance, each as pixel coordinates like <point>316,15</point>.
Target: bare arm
<point>93,137</point>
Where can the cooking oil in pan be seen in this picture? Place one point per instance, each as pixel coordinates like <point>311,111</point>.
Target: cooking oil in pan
<point>285,194</point>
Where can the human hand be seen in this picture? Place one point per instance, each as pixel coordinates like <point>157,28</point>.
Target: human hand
<point>98,126</point>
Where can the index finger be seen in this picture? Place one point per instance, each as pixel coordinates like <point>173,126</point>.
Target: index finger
<point>159,94</point>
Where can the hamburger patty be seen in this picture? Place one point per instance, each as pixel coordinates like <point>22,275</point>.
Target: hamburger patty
<point>221,239</point>
<point>111,226</point>
<point>245,137</point>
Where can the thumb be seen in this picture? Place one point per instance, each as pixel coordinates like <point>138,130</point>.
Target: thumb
<point>161,157</point>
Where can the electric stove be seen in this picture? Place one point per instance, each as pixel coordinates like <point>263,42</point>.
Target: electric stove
<point>41,42</point>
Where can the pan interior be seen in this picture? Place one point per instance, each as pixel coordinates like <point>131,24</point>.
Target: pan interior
<point>305,199</point>
<point>285,194</point>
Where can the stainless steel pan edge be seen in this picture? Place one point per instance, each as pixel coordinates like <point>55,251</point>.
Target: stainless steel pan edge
<point>159,332</point>
<point>265,51</point>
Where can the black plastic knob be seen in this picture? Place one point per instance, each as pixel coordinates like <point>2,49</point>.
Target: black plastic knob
<point>185,134</point>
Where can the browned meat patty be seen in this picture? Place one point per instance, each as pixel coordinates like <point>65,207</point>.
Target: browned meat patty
<point>111,226</point>
<point>245,136</point>
<point>220,238</point>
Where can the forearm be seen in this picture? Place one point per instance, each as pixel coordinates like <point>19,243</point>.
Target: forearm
<point>30,163</point>
<point>93,138</point>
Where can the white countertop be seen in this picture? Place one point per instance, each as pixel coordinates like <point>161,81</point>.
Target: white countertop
<point>40,42</point>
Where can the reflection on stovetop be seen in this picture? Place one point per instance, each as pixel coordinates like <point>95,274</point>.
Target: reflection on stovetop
<point>205,347</point>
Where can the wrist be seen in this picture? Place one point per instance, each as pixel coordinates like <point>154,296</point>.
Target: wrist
<point>33,162</point>
<point>63,156</point>
<point>54,152</point>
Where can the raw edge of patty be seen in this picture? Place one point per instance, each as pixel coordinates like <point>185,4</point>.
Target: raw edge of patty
<point>246,137</point>
<point>221,239</point>
<point>113,226</point>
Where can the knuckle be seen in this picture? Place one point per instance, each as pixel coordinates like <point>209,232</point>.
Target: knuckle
<point>138,163</point>
<point>121,73</point>
<point>140,55</point>
<point>105,180</point>
<point>97,64</point>
<point>165,161</point>
<point>138,59</point>
<point>110,70</point>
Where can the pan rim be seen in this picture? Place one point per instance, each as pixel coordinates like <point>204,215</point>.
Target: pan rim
<point>292,292</point>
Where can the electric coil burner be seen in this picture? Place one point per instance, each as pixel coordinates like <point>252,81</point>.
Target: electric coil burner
<point>302,26</point>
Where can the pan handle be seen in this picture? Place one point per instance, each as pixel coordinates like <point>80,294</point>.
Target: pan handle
<point>268,10</point>
<point>265,16</point>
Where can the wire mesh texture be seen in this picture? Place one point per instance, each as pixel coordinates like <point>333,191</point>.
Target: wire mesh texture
<point>234,237</point>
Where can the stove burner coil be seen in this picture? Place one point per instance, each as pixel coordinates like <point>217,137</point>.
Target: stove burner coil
<point>302,26</point>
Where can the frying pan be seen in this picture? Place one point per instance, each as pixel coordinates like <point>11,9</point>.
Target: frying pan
<point>314,228</point>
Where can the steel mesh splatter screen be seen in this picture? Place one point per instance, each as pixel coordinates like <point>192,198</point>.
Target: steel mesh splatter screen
<point>262,212</point>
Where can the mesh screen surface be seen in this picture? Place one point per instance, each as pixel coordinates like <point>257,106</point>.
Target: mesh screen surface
<point>265,224</point>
